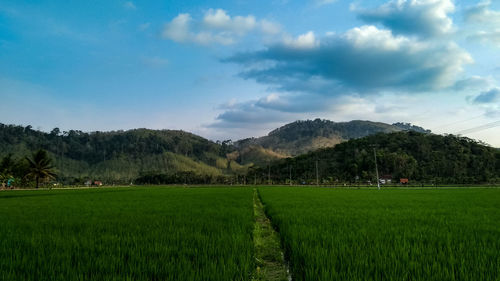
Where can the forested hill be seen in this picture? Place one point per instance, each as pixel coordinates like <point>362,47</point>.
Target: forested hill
<point>420,157</point>
<point>304,136</point>
<point>119,155</point>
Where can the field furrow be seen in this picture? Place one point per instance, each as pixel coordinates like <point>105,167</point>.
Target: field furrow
<point>269,256</point>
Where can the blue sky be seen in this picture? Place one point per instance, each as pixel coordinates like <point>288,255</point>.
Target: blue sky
<point>234,69</point>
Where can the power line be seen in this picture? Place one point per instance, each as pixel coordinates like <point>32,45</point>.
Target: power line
<point>457,122</point>
<point>480,128</point>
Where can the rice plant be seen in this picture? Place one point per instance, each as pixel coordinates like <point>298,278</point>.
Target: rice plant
<point>423,235</point>
<point>127,234</point>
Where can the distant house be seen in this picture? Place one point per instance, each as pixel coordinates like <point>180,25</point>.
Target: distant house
<point>403,181</point>
<point>386,179</point>
<point>98,183</point>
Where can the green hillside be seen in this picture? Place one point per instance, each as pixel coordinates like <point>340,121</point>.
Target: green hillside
<point>425,158</point>
<point>117,156</point>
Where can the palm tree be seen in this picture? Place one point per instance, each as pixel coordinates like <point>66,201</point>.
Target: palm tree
<point>40,166</point>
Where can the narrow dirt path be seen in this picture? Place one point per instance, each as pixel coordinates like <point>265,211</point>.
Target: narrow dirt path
<point>268,254</point>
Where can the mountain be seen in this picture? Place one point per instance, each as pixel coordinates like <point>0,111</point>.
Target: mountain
<point>304,136</point>
<point>425,158</point>
<point>120,156</point>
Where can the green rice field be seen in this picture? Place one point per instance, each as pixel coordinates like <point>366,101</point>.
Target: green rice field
<point>331,234</point>
<point>127,234</point>
<point>206,233</point>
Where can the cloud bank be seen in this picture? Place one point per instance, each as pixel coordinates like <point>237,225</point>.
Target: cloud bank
<point>363,60</point>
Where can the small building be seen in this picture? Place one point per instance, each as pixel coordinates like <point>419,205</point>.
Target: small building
<point>386,179</point>
<point>403,181</point>
<point>98,183</point>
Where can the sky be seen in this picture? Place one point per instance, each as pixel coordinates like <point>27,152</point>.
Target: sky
<point>235,69</point>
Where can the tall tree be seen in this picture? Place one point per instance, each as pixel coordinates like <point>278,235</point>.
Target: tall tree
<point>40,166</point>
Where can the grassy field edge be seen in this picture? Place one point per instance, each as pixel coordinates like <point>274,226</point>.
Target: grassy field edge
<point>270,263</point>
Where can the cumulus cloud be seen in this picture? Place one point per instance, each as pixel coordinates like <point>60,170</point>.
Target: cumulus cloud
<point>414,17</point>
<point>488,97</point>
<point>216,27</point>
<point>363,60</point>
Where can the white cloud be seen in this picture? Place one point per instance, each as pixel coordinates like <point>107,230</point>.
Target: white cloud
<point>216,27</point>
<point>178,29</point>
<point>219,19</point>
<point>372,37</point>
<point>304,41</point>
<point>415,17</point>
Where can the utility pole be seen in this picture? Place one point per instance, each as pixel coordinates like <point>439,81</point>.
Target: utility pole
<point>317,174</point>
<point>376,168</point>
<point>268,173</point>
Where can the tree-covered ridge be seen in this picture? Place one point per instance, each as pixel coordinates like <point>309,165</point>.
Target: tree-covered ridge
<point>426,158</point>
<point>98,146</point>
<point>118,156</point>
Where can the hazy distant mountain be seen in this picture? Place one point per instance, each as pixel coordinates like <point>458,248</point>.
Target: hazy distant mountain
<point>304,136</point>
